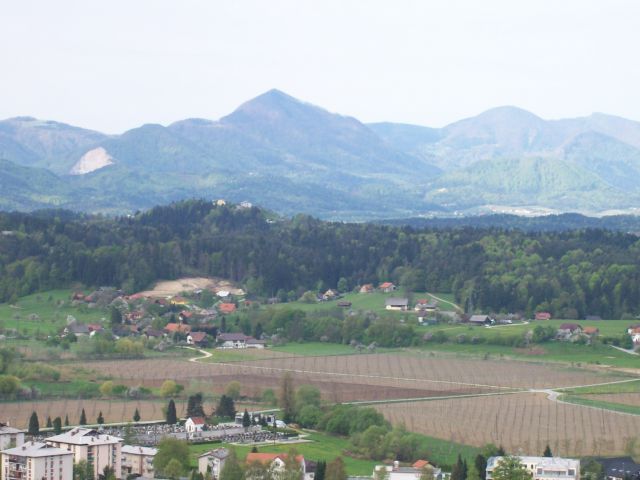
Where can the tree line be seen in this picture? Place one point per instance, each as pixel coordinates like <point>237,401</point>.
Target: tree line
<point>570,274</point>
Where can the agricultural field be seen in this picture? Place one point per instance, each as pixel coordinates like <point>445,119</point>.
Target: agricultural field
<point>522,421</point>
<point>451,399</point>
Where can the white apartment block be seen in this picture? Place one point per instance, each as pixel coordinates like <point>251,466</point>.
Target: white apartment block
<point>138,460</point>
<point>97,449</point>
<point>10,437</point>
<point>37,461</point>
<point>543,468</point>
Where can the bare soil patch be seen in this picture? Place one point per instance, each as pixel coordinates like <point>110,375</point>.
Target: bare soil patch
<point>169,288</point>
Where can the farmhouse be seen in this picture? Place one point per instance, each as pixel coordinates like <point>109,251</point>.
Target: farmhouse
<point>227,308</point>
<point>329,295</point>
<point>177,328</point>
<point>277,461</point>
<point>480,320</point>
<point>213,462</point>
<point>414,472</point>
<point>367,288</point>
<point>35,460</point>
<point>396,303</point>
<point>87,444</point>
<point>138,461</point>
<point>239,340</point>
<point>591,331</point>
<point>10,437</point>
<point>543,468</point>
<point>543,316</point>
<point>387,287</point>
<point>568,331</point>
<point>194,424</point>
<point>197,338</point>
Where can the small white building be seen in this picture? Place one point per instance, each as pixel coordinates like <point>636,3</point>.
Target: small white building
<point>36,461</point>
<point>543,468</point>
<point>194,424</point>
<point>212,461</point>
<point>10,437</point>
<point>138,461</point>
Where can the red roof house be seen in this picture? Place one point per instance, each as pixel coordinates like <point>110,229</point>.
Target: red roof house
<point>227,308</point>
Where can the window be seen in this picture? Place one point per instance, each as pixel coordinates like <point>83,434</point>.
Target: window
<point>572,472</point>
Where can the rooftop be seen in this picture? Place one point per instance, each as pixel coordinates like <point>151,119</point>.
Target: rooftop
<point>544,462</point>
<point>83,436</point>
<point>36,449</point>
<point>218,453</point>
<point>137,450</point>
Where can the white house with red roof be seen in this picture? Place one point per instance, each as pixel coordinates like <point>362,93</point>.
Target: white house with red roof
<point>194,424</point>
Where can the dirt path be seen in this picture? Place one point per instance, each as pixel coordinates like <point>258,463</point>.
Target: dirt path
<point>457,307</point>
<point>204,353</point>
<point>630,352</point>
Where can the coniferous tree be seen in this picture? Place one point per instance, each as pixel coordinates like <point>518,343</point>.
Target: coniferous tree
<point>547,451</point>
<point>66,420</point>
<point>246,419</point>
<point>100,419</point>
<point>49,423</point>
<point>34,424</point>
<point>172,417</point>
<point>481,466</point>
<point>57,425</point>
<point>136,416</point>
<point>287,398</point>
<point>83,418</point>
<point>321,468</point>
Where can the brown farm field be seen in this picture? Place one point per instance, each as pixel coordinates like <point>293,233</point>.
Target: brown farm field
<point>632,399</point>
<point>468,401</point>
<point>520,422</point>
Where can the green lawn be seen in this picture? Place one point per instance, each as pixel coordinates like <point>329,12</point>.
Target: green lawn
<point>548,352</point>
<point>593,402</point>
<point>328,447</point>
<point>321,447</point>
<point>627,387</point>
<point>369,301</point>
<point>51,317</point>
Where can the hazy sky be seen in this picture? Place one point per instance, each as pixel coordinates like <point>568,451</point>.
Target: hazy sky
<point>113,65</point>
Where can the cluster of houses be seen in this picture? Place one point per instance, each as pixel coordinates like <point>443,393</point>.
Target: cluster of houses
<point>54,458</point>
<point>186,321</point>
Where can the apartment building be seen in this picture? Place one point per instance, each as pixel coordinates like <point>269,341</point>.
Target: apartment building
<point>10,437</point>
<point>138,460</point>
<point>99,450</point>
<point>37,461</point>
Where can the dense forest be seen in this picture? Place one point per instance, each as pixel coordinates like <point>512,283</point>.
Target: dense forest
<point>571,274</point>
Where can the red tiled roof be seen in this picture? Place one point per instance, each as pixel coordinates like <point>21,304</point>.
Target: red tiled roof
<point>177,327</point>
<point>386,285</point>
<point>198,420</point>
<point>198,336</point>
<point>543,316</point>
<point>227,307</point>
<point>420,464</point>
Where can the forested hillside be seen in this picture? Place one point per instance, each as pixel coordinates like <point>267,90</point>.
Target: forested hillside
<point>572,274</point>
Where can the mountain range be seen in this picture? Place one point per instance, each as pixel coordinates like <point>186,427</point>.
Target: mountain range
<point>291,156</point>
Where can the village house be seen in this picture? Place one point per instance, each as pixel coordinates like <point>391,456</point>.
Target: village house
<point>569,331</point>
<point>177,328</point>
<point>480,320</point>
<point>194,424</point>
<point>239,340</point>
<point>426,306</point>
<point>10,437</point>
<point>413,472</point>
<point>591,331</point>
<point>197,338</point>
<point>87,444</point>
<point>367,288</point>
<point>543,468</point>
<point>227,308</point>
<point>396,303</point>
<point>212,462</point>
<point>634,333</point>
<point>276,463</point>
<point>138,461</point>
<point>329,295</point>
<point>36,461</point>
<point>387,287</point>
<point>543,316</point>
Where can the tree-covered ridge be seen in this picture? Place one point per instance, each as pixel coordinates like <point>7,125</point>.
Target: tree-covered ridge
<point>571,274</point>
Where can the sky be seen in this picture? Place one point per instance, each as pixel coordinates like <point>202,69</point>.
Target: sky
<point>115,65</point>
